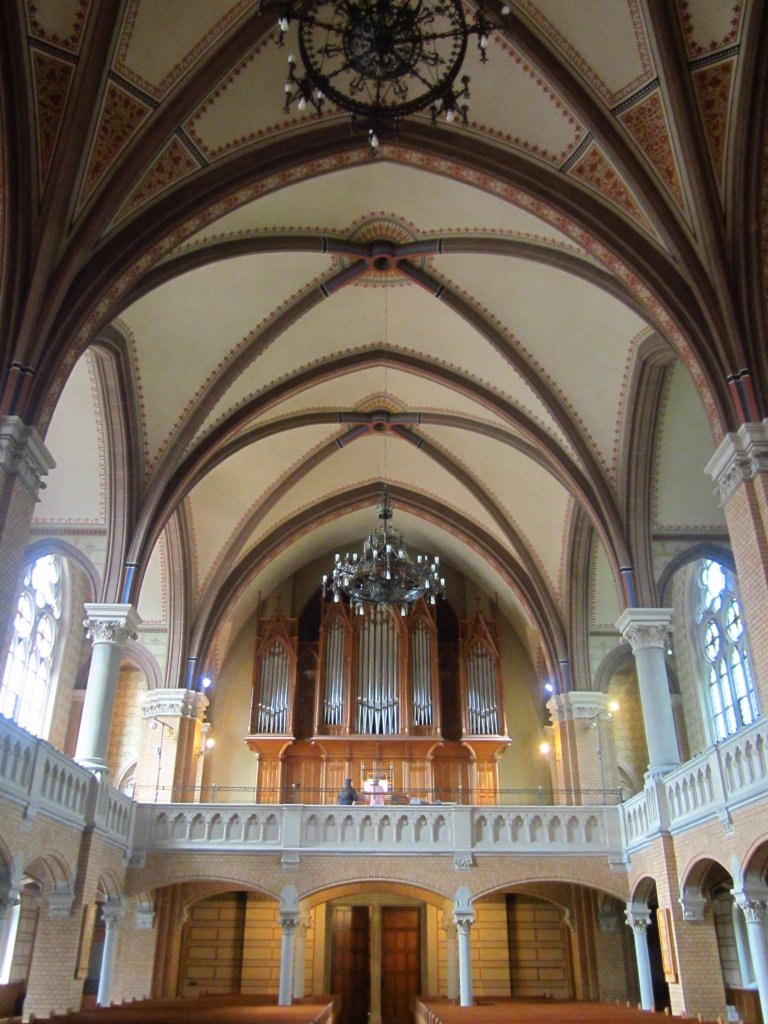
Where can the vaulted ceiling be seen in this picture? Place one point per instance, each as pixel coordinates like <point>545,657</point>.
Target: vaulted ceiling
<point>526,325</point>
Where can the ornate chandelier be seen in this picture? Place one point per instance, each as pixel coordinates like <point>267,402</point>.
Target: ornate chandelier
<point>385,575</point>
<point>382,59</point>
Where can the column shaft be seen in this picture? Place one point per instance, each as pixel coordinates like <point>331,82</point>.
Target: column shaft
<point>464,928</point>
<point>647,629</point>
<point>756,912</point>
<point>108,959</point>
<point>285,994</point>
<point>10,911</point>
<point>110,626</point>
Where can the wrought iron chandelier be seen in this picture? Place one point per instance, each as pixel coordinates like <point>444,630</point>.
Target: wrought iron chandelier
<point>385,575</point>
<point>381,60</point>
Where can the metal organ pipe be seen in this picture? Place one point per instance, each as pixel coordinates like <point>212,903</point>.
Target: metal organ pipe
<point>273,690</point>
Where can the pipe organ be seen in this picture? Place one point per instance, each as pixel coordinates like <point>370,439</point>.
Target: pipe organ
<point>376,694</point>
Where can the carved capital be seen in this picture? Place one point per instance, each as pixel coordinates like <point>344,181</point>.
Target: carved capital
<point>23,454</point>
<point>577,704</point>
<point>638,919</point>
<point>755,911</point>
<point>693,905</point>
<point>645,627</point>
<point>739,458</point>
<point>111,623</point>
<point>463,924</point>
<point>288,922</point>
<point>174,704</point>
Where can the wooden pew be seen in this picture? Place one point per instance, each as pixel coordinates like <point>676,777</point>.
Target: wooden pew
<point>207,1009</point>
<point>523,1011</point>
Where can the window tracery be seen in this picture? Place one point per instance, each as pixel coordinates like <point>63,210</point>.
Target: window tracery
<point>27,681</point>
<point>723,644</point>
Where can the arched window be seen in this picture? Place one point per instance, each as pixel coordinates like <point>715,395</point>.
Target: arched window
<point>26,687</point>
<point>723,644</point>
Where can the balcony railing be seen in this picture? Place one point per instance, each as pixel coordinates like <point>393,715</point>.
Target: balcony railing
<point>712,785</point>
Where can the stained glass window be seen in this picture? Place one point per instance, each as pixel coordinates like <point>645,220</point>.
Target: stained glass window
<point>26,685</point>
<point>732,698</point>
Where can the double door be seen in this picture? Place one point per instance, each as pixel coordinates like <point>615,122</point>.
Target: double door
<point>396,976</point>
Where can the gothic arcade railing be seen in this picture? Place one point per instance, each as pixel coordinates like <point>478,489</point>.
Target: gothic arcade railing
<point>42,779</point>
<point>293,829</point>
<point>711,785</point>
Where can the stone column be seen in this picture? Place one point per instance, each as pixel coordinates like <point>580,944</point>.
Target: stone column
<point>638,920</point>
<point>647,630</point>
<point>739,469</point>
<point>285,993</point>
<point>742,947</point>
<point>300,956</point>
<point>451,959</point>
<point>10,910</point>
<point>756,915</point>
<point>112,918</point>
<point>464,917</point>
<point>169,745</point>
<point>288,916</point>
<point>583,734</point>
<point>109,626</point>
<point>24,461</point>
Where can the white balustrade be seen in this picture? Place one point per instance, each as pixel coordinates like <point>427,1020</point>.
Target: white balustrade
<point>380,830</point>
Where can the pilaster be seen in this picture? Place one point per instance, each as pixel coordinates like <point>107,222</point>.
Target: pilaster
<point>169,745</point>
<point>584,763</point>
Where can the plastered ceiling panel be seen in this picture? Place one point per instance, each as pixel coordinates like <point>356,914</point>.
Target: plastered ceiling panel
<point>232,489</point>
<point>354,318</point>
<point>76,490</point>
<point>684,496</point>
<point>336,202</point>
<point>153,599</point>
<point>580,31</point>
<point>363,461</point>
<point>192,323</point>
<point>579,336</point>
<point>155,68</point>
<point>534,500</point>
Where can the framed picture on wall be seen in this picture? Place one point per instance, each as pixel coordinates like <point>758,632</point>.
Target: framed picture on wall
<point>86,935</point>
<point>668,962</point>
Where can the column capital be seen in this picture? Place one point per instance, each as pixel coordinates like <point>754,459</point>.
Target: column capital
<point>645,627</point>
<point>111,623</point>
<point>753,904</point>
<point>23,454</point>
<point>112,914</point>
<point>583,704</point>
<point>739,457</point>
<point>464,923</point>
<point>638,919</point>
<point>174,703</point>
<point>693,905</point>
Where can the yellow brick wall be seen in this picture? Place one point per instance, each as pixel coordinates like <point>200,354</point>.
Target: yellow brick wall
<point>212,945</point>
<point>490,950</point>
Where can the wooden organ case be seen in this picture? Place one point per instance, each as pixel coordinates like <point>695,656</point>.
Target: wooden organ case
<point>364,702</point>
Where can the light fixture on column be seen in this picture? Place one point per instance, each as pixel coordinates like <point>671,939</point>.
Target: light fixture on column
<point>381,60</point>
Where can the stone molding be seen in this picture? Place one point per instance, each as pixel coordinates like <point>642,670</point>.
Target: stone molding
<point>23,454</point>
<point>645,627</point>
<point>740,457</point>
<point>145,920</point>
<point>693,905</point>
<point>60,904</point>
<point>111,623</point>
<point>174,704</point>
<point>584,705</point>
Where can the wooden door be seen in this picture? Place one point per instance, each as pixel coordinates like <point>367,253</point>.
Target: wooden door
<point>351,962</point>
<point>400,963</point>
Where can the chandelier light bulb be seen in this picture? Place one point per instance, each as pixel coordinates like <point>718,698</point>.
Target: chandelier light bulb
<point>302,103</point>
<point>282,24</point>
